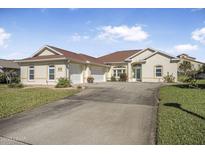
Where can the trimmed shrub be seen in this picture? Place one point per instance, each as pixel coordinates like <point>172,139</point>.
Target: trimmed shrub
<point>15,85</point>
<point>123,77</point>
<point>63,83</point>
<point>113,79</point>
<point>90,79</point>
<point>191,81</point>
<point>169,78</point>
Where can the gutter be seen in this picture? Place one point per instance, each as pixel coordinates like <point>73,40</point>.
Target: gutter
<point>36,60</point>
<point>88,62</point>
<point>54,59</point>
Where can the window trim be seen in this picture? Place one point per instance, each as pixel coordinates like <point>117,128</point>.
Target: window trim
<point>155,71</point>
<point>123,70</point>
<point>49,73</point>
<point>29,68</point>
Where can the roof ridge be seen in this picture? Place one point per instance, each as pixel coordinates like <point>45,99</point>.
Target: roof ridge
<point>61,49</point>
<point>86,55</point>
<point>77,56</point>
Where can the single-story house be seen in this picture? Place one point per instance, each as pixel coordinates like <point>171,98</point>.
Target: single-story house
<point>8,65</point>
<point>50,63</point>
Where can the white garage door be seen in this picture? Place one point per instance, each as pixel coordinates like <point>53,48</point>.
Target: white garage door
<point>75,73</point>
<point>98,74</point>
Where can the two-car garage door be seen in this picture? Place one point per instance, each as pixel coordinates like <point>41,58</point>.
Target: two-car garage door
<point>76,75</point>
<point>97,73</point>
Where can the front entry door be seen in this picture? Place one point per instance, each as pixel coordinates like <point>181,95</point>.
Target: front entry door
<point>138,73</point>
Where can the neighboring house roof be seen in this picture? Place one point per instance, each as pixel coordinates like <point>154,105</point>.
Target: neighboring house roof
<point>8,64</point>
<point>189,58</point>
<point>62,53</point>
<point>185,55</point>
<point>118,56</point>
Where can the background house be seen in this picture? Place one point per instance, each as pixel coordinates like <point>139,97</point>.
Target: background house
<point>8,65</point>
<point>195,63</point>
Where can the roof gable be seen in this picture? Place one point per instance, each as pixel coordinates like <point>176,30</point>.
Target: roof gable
<point>141,52</point>
<point>46,52</point>
<point>141,55</point>
<point>47,49</point>
<point>161,53</point>
<point>54,53</point>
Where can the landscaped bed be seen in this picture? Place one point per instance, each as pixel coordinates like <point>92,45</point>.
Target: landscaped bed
<point>181,116</point>
<point>14,100</point>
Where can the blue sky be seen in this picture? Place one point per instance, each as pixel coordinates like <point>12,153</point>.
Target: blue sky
<point>100,31</point>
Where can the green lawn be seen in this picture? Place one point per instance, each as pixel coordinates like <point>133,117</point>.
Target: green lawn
<point>201,81</point>
<point>17,100</point>
<point>181,116</point>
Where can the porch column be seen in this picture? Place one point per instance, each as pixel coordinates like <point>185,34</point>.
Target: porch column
<point>129,70</point>
<point>87,73</point>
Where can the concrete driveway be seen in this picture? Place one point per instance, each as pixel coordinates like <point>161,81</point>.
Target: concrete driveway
<point>105,113</point>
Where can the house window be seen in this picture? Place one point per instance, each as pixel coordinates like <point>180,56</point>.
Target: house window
<point>51,72</point>
<point>31,72</point>
<point>114,73</point>
<point>117,72</point>
<point>158,71</point>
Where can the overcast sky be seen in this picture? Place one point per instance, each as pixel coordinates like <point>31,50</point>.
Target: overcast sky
<point>100,31</point>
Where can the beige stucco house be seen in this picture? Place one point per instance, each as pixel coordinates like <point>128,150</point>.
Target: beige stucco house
<point>50,63</point>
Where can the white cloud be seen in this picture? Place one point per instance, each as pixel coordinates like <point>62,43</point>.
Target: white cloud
<point>76,37</point>
<point>199,35</point>
<point>134,33</point>
<point>185,48</point>
<point>4,36</point>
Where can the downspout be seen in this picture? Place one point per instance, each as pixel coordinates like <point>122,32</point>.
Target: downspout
<point>68,70</point>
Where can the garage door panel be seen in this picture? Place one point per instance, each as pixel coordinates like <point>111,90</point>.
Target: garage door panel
<point>98,74</point>
<point>75,73</point>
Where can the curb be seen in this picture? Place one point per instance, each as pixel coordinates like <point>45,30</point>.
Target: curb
<point>154,124</point>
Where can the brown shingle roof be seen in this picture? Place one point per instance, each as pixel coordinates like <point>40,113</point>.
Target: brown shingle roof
<point>76,56</point>
<point>44,57</point>
<point>8,64</point>
<point>118,56</point>
<point>67,54</point>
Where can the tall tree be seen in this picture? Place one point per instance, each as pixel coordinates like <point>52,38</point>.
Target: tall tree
<point>185,67</point>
